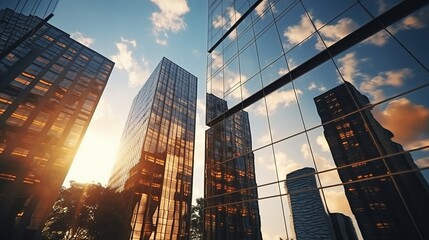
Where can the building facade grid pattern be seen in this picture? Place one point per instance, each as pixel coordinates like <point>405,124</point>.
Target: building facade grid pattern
<point>273,65</point>
<point>49,89</point>
<point>155,162</point>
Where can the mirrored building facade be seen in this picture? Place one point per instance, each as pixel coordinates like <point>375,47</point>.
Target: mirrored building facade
<point>155,160</point>
<point>310,221</point>
<point>395,203</point>
<point>50,86</point>
<point>30,15</point>
<point>273,58</point>
<point>230,185</point>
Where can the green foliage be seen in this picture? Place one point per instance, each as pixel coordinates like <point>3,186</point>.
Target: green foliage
<point>87,211</point>
<point>197,219</point>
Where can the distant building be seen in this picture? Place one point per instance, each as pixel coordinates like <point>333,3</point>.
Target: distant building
<point>310,220</point>
<point>49,89</point>
<point>386,205</point>
<point>155,160</point>
<point>343,227</point>
<point>237,217</point>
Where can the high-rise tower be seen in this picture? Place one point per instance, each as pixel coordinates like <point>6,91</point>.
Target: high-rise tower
<point>49,89</point>
<point>387,205</point>
<point>232,181</point>
<point>310,219</point>
<point>155,159</point>
<point>343,227</point>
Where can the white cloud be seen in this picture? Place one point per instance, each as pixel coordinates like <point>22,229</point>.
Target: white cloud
<point>291,65</point>
<point>138,72</point>
<point>276,100</point>
<point>233,79</point>
<point>217,85</point>
<point>393,78</point>
<point>408,23</point>
<point>323,144</point>
<point>297,33</point>
<point>170,18</point>
<point>337,201</point>
<point>348,67</point>
<point>314,86</point>
<point>78,36</point>
<point>161,42</point>
<point>262,7</point>
<point>332,33</point>
<point>217,60</point>
<point>282,71</point>
<point>226,23</point>
<point>265,139</point>
<point>305,150</point>
<point>286,165</point>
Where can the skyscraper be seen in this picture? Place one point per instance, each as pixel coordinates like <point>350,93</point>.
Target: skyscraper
<point>310,219</point>
<point>231,185</point>
<point>343,227</point>
<point>30,15</point>
<point>155,160</point>
<point>268,60</point>
<point>49,89</point>
<point>390,196</point>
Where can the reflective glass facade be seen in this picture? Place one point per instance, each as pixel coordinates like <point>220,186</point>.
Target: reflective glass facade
<point>30,16</point>
<point>50,86</point>
<point>229,185</point>
<point>309,218</point>
<point>299,69</point>
<point>155,161</point>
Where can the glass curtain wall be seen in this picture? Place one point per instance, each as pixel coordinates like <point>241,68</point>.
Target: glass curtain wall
<point>339,86</point>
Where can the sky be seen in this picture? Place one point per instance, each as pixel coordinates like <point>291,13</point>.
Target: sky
<point>135,35</point>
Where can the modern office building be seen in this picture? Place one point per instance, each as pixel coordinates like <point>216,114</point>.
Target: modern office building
<point>310,220</point>
<point>155,160</point>
<point>392,200</point>
<point>271,58</point>
<point>343,227</point>
<point>232,181</point>
<point>49,89</point>
<point>30,16</point>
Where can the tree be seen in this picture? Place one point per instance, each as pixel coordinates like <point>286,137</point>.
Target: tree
<point>87,211</point>
<point>197,219</point>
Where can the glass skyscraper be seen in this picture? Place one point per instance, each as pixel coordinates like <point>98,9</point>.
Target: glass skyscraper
<point>387,205</point>
<point>269,60</point>
<point>30,16</point>
<point>155,160</point>
<point>310,220</point>
<point>232,181</point>
<point>343,227</point>
<point>49,89</point>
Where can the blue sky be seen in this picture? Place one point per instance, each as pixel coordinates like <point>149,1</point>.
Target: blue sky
<point>135,35</point>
